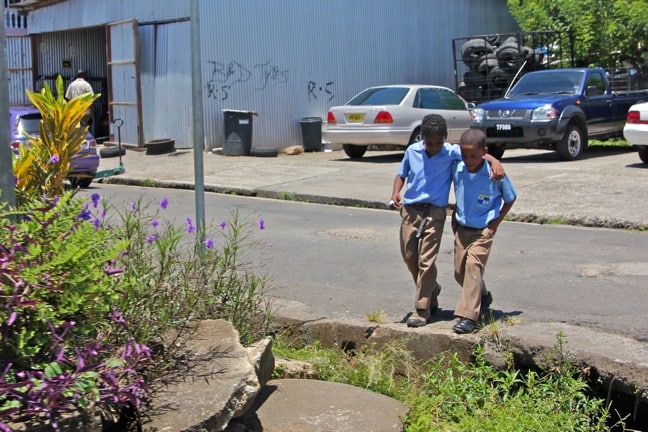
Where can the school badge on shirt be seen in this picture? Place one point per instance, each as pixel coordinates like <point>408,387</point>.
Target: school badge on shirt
<point>483,199</point>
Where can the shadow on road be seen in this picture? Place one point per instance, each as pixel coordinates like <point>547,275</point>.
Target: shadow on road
<point>549,156</point>
<point>378,157</point>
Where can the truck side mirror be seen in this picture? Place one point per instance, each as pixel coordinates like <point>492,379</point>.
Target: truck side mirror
<point>592,91</point>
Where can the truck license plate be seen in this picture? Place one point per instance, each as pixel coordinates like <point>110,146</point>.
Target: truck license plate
<point>503,127</point>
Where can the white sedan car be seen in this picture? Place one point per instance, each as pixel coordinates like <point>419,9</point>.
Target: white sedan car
<point>636,129</point>
<point>392,115</point>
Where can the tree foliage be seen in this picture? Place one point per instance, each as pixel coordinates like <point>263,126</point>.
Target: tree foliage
<point>605,32</point>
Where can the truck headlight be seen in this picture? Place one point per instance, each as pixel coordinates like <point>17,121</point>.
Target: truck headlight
<point>478,115</point>
<point>545,112</point>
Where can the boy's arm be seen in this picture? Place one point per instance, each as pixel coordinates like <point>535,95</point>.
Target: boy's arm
<point>494,224</point>
<point>395,197</point>
<point>497,170</point>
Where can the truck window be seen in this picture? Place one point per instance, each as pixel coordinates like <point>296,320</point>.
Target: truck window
<point>595,79</point>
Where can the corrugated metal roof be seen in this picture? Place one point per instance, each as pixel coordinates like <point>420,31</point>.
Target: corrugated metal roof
<point>28,5</point>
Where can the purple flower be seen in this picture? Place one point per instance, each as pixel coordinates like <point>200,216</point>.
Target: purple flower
<point>164,203</point>
<point>190,226</point>
<point>223,224</point>
<point>54,159</point>
<point>152,238</point>
<point>261,224</point>
<point>95,199</point>
<point>12,317</point>
<point>209,243</point>
<point>133,207</point>
<point>85,214</point>
<point>155,223</point>
<point>96,222</point>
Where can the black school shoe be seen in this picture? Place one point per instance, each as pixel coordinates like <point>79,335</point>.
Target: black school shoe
<point>416,319</point>
<point>465,326</point>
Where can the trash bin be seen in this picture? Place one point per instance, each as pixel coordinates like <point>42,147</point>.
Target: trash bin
<point>238,132</point>
<point>311,128</point>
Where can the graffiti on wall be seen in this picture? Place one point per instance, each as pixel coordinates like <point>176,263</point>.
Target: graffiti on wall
<point>314,89</point>
<point>225,77</point>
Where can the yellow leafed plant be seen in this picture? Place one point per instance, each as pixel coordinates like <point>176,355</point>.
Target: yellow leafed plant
<point>43,165</point>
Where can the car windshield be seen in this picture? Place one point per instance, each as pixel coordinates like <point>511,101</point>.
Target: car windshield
<point>380,96</point>
<point>543,83</point>
<point>28,123</point>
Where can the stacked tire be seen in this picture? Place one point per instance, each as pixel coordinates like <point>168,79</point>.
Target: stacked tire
<point>492,64</point>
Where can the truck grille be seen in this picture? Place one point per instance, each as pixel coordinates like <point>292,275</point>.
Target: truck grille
<point>505,114</point>
<point>515,132</point>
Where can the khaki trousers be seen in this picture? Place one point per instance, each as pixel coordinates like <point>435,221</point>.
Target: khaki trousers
<point>420,248</point>
<point>472,247</point>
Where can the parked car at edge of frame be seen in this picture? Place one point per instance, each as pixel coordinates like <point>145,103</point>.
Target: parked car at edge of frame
<point>392,115</point>
<point>84,164</point>
<point>636,129</point>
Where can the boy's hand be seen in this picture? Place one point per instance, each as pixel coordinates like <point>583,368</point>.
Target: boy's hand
<point>497,170</point>
<point>394,202</point>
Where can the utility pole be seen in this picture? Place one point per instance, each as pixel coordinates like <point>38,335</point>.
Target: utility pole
<point>198,124</point>
<point>7,193</point>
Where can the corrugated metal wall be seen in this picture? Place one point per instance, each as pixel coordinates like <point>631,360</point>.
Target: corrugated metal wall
<point>285,59</point>
<point>293,58</point>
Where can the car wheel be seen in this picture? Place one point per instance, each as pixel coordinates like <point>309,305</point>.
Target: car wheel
<point>497,151</point>
<point>112,151</point>
<point>572,145</point>
<point>354,151</point>
<point>643,154</point>
<point>80,182</point>
<point>416,136</point>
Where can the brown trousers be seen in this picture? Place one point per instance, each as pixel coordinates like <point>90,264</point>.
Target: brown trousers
<point>472,247</point>
<point>420,251</point>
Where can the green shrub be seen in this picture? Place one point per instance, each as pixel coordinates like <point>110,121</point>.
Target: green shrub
<point>43,166</point>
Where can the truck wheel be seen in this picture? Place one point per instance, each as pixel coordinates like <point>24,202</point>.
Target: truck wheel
<point>354,151</point>
<point>497,151</point>
<point>643,154</point>
<point>572,145</point>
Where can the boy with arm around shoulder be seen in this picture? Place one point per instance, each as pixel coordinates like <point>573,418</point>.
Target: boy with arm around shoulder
<point>481,205</point>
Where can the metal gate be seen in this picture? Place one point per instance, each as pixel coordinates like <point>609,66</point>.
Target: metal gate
<point>19,64</point>
<point>124,80</point>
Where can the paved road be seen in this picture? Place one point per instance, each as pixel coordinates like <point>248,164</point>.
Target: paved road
<point>333,261</point>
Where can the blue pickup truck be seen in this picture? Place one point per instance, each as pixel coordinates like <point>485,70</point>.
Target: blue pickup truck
<point>558,109</point>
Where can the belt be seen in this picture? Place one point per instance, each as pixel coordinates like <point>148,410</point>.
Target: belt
<point>421,206</point>
<point>471,228</point>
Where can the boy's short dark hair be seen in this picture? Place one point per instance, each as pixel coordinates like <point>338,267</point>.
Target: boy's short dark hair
<point>434,124</point>
<point>473,136</point>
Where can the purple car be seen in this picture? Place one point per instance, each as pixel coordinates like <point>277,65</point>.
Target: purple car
<point>84,164</point>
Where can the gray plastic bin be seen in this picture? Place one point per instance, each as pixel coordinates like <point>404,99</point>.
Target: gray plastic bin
<point>311,128</point>
<point>238,132</point>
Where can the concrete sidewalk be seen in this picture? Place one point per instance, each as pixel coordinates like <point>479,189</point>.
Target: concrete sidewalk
<point>607,188</point>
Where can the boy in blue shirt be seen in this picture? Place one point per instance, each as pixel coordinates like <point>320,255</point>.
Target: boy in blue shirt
<point>427,168</point>
<point>482,203</point>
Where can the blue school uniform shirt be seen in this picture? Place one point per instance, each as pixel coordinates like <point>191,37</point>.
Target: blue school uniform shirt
<point>428,178</point>
<point>479,197</point>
